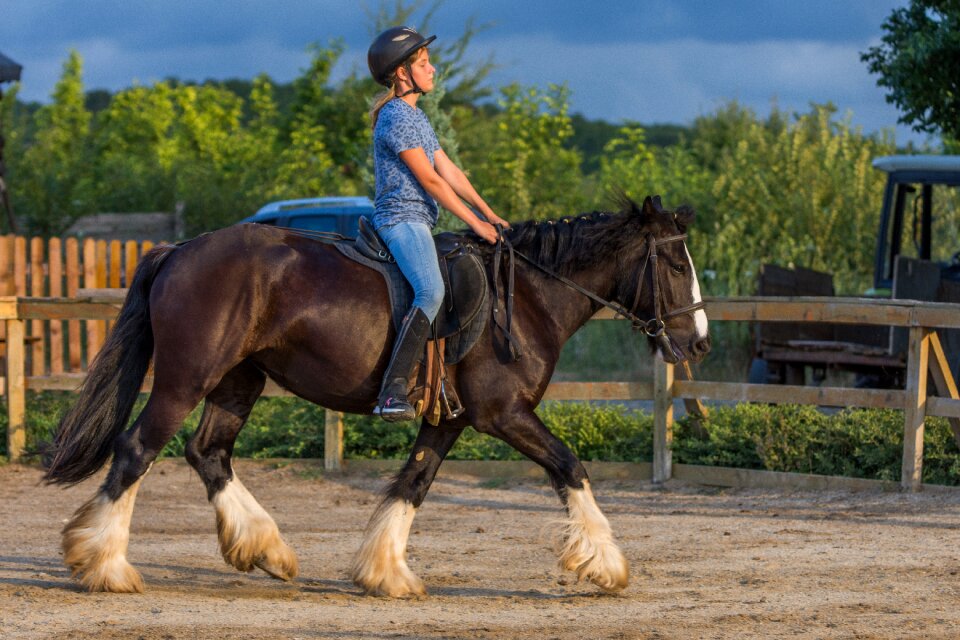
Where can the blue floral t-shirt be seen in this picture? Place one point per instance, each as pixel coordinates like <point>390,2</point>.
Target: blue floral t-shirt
<point>400,197</point>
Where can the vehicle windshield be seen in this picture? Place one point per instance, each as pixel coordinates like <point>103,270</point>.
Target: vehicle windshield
<point>906,235</point>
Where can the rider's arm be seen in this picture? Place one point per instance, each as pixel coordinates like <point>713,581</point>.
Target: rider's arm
<point>418,163</point>
<point>461,185</point>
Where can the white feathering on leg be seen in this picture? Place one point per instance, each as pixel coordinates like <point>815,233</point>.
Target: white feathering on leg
<point>95,544</point>
<point>588,547</point>
<point>249,537</point>
<point>380,566</point>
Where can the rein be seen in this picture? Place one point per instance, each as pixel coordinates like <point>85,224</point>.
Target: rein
<point>655,327</point>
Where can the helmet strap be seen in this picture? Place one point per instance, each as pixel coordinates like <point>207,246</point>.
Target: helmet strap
<point>414,88</point>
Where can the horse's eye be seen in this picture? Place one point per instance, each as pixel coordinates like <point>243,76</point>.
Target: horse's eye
<point>679,269</point>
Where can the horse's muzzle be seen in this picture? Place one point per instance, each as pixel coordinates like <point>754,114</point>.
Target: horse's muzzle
<point>672,353</point>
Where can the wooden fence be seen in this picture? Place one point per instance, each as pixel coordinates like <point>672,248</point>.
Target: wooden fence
<point>56,267</point>
<point>925,355</point>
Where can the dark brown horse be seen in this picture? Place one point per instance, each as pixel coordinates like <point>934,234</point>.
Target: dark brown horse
<point>219,314</point>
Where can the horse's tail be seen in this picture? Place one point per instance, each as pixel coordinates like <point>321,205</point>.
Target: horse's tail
<point>84,438</point>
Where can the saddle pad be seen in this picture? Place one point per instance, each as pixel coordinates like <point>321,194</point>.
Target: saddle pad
<point>458,343</point>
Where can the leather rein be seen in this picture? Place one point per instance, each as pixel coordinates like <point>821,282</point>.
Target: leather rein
<point>655,327</point>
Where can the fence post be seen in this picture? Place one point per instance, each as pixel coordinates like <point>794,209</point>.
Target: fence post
<point>662,420</point>
<point>16,390</point>
<point>911,474</point>
<point>333,440</point>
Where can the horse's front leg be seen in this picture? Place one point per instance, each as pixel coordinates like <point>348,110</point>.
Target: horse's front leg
<point>380,566</point>
<point>588,546</point>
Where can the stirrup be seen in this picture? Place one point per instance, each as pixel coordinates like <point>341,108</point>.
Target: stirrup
<point>394,410</point>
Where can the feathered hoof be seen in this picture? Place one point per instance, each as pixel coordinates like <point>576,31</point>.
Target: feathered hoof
<point>604,566</point>
<point>280,562</point>
<point>257,544</point>
<point>399,582</point>
<point>113,576</point>
<point>95,545</point>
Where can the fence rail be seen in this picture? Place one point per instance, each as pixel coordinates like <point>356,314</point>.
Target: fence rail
<point>925,359</point>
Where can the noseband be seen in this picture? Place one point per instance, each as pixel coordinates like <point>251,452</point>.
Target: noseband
<point>655,327</point>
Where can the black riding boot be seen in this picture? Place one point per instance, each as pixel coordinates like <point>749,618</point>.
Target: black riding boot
<point>392,404</point>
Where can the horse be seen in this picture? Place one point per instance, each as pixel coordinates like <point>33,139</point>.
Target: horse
<point>220,313</point>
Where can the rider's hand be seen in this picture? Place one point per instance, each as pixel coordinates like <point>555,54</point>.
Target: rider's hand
<point>494,219</point>
<point>486,231</point>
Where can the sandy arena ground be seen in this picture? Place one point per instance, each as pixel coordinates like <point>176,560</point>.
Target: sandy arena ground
<point>706,563</point>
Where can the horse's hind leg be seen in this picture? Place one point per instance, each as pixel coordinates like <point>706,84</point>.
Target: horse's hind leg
<point>588,546</point>
<point>380,566</point>
<point>248,536</point>
<point>95,539</point>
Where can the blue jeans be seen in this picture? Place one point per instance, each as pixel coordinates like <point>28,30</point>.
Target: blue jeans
<point>411,244</point>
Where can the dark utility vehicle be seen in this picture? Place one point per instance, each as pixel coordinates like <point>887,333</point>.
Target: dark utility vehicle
<point>917,258</point>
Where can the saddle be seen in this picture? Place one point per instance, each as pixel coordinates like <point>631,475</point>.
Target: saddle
<point>459,322</point>
<point>464,279</point>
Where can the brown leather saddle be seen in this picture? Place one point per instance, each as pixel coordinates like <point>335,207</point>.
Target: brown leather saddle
<point>463,273</point>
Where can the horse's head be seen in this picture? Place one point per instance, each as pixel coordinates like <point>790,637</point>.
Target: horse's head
<point>658,282</point>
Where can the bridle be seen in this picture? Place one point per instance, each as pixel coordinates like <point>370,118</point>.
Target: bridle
<point>655,327</point>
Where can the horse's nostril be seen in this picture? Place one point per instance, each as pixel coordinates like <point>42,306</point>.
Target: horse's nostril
<point>702,346</point>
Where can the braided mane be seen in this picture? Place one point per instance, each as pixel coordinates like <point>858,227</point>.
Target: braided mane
<point>573,243</point>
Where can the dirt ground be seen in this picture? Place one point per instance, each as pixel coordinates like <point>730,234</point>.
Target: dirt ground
<point>705,562</point>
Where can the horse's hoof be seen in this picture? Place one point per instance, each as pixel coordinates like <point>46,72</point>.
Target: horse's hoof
<point>113,576</point>
<point>94,545</point>
<point>606,568</point>
<point>279,562</point>
<point>401,584</point>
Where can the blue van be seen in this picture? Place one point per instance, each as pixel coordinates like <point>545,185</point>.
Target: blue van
<point>337,214</point>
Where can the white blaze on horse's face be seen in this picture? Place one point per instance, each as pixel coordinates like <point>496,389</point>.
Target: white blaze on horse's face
<point>699,316</point>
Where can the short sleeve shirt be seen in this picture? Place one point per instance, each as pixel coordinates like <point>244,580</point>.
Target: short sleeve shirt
<point>399,195</point>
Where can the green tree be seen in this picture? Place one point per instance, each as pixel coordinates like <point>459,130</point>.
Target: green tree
<point>258,146</point>
<point>522,166</point>
<point>135,152</point>
<point>803,195</point>
<point>336,117</point>
<point>631,166</point>
<point>918,61</point>
<point>54,184</point>
<point>13,124</point>
<point>211,145</point>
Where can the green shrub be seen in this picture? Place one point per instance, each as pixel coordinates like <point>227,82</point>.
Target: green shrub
<point>860,443</point>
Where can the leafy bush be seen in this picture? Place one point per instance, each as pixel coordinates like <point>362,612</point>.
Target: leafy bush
<point>860,443</point>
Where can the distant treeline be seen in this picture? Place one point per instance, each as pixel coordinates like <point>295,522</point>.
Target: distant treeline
<point>795,189</point>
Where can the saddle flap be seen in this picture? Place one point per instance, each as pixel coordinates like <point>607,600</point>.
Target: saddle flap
<point>368,242</point>
<point>466,285</point>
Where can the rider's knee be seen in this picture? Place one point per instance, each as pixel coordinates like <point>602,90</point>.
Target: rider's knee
<point>430,301</point>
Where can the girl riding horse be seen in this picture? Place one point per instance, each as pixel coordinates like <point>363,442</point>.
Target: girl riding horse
<point>412,174</point>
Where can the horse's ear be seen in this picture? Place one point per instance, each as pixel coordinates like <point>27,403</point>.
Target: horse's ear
<point>651,206</point>
<point>684,216</point>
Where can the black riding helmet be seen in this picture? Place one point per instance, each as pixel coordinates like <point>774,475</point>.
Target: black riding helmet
<point>391,48</point>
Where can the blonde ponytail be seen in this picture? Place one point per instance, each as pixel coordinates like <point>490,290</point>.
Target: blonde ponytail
<point>379,101</point>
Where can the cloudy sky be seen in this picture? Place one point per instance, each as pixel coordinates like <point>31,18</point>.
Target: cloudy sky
<point>642,60</point>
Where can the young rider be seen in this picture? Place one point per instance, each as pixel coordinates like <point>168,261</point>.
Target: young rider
<point>412,175</point>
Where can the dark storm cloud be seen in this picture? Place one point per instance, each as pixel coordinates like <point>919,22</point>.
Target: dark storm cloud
<point>649,61</point>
